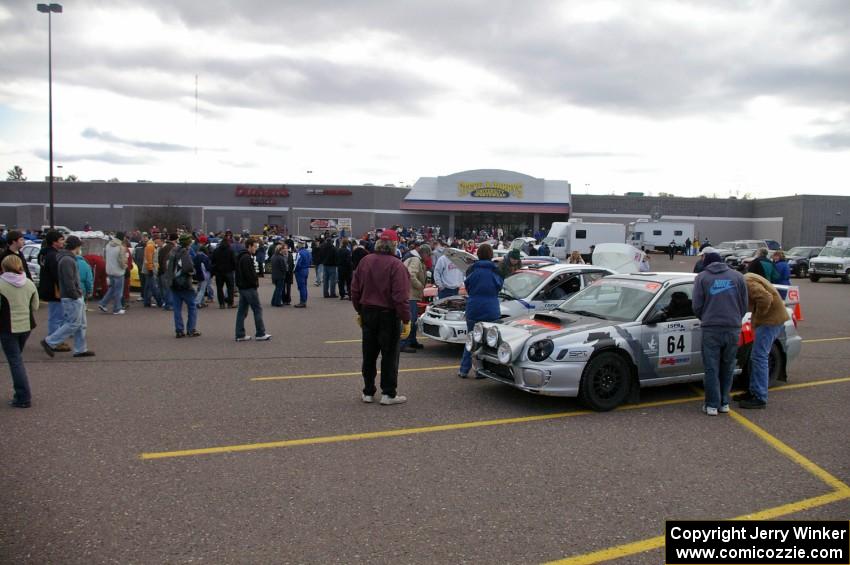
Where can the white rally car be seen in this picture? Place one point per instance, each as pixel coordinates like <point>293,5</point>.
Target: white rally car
<point>623,333</point>
<point>527,290</point>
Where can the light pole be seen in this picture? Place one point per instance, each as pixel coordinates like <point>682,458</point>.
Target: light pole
<point>49,9</point>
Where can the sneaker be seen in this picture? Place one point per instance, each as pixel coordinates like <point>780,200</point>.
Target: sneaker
<point>709,410</point>
<point>302,305</point>
<point>18,404</point>
<point>244,338</point>
<point>102,308</point>
<point>88,353</point>
<point>408,349</point>
<point>120,312</point>
<point>264,337</point>
<point>753,403</point>
<point>724,409</point>
<point>743,396</point>
<point>178,335</point>
<point>367,398</point>
<point>62,348</point>
<point>461,375</point>
<point>387,401</point>
<point>193,333</point>
<point>47,348</point>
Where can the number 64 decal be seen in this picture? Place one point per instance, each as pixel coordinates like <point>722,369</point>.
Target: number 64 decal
<point>676,344</point>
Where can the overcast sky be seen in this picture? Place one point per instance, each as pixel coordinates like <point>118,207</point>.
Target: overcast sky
<point>713,97</point>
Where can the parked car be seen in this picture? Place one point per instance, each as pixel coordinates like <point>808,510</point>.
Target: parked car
<point>741,259</point>
<point>30,253</point>
<point>727,248</point>
<point>620,334</point>
<point>798,260</point>
<point>526,290</point>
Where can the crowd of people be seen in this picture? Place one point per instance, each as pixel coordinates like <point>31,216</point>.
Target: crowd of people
<point>383,274</point>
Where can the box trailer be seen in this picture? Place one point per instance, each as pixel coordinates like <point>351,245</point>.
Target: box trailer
<point>575,235</point>
<point>656,236</point>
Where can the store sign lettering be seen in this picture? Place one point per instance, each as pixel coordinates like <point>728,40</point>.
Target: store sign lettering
<point>489,189</point>
<point>260,192</point>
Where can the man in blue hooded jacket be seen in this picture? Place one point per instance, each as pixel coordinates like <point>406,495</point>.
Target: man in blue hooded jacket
<point>483,283</point>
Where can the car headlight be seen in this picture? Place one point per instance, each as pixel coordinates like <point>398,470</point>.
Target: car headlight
<point>504,353</point>
<point>492,336</point>
<point>470,343</point>
<point>455,316</point>
<point>540,350</point>
<point>478,332</point>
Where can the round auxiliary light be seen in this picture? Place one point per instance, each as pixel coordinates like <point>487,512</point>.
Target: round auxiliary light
<point>470,342</point>
<point>492,336</point>
<point>504,353</point>
<point>478,332</point>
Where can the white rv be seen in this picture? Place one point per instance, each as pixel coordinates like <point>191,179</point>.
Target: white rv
<point>565,237</point>
<point>656,236</point>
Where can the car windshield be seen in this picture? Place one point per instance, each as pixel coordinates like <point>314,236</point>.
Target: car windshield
<point>523,283</point>
<point>835,252</point>
<point>621,300</point>
<point>796,251</point>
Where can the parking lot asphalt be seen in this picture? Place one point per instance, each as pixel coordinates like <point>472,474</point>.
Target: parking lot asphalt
<point>206,450</point>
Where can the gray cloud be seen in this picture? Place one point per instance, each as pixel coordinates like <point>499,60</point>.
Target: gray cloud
<point>103,157</point>
<point>629,63</point>
<point>832,141</point>
<point>91,133</point>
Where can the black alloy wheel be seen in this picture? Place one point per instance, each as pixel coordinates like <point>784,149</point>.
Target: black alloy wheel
<point>605,382</point>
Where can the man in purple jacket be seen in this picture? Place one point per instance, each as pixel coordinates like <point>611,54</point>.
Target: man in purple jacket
<point>379,292</point>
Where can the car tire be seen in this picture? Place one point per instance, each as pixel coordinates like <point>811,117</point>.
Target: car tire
<point>845,278</point>
<point>814,278</point>
<point>803,272</point>
<point>605,382</point>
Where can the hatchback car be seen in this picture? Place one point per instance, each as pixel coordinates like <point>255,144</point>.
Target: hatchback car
<point>622,333</point>
<point>527,290</point>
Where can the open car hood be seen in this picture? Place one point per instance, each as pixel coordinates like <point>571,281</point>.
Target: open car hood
<point>461,259</point>
<point>619,257</point>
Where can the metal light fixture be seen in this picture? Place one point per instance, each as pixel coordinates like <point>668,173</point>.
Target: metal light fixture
<point>50,9</point>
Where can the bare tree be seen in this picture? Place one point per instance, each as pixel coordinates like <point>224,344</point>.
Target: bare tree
<point>15,173</point>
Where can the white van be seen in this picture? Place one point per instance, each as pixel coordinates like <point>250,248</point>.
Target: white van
<point>833,261</point>
<point>565,237</point>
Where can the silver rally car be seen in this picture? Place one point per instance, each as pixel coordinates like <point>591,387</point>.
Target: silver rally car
<point>604,343</point>
<point>527,290</point>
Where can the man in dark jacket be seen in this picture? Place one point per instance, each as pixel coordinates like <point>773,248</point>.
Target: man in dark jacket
<point>224,268</point>
<point>379,294</point>
<point>48,283</point>
<point>720,302</point>
<point>278,275</point>
<point>329,263</point>
<point>249,296</point>
<point>181,271</point>
<point>344,268</point>
<point>14,243</point>
<point>763,266</point>
<point>73,305</point>
<point>162,265</point>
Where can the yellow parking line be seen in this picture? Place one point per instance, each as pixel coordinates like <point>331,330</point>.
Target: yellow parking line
<point>351,374</point>
<point>811,384</point>
<point>641,546</point>
<point>396,433</point>
<point>790,453</point>
<point>826,339</point>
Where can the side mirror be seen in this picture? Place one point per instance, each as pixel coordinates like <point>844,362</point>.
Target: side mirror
<point>656,318</point>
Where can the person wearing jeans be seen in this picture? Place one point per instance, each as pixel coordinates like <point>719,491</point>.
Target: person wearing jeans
<point>768,318</point>
<point>249,297</point>
<point>115,257</point>
<point>17,314</point>
<point>720,302</point>
<point>73,305</point>
<point>483,283</point>
<point>181,270</point>
<point>48,282</point>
